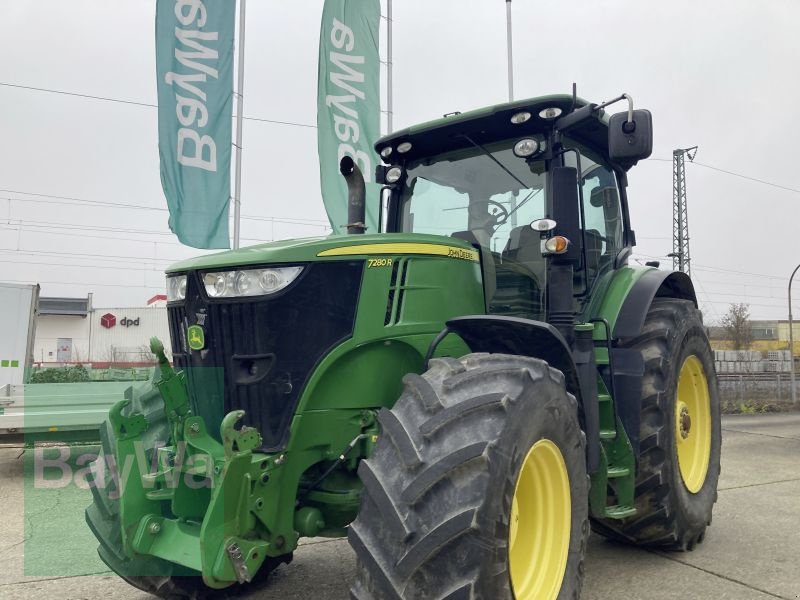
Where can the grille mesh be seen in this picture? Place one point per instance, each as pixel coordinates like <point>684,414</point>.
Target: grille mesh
<point>279,337</point>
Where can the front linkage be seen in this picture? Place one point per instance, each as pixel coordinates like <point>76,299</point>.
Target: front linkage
<point>215,492</point>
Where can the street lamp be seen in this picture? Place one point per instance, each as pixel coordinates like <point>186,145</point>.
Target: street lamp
<point>791,337</point>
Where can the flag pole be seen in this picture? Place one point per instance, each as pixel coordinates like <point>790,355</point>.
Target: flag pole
<point>510,56</point>
<point>389,65</point>
<point>237,190</point>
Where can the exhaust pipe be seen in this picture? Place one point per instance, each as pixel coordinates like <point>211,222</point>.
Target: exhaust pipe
<point>356,195</point>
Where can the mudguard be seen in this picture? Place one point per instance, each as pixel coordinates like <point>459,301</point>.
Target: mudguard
<point>628,363</point>
<point>525,337</point>
<point>654,283</point>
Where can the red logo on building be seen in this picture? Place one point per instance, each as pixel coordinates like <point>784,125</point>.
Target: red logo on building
<point>108,320</point>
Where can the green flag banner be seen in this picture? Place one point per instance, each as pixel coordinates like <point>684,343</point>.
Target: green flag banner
<point>194,60</point>
<point>348,103</point>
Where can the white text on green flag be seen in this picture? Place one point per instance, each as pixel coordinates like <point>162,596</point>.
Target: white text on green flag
<point>348,103</point>
<point>194,60</point>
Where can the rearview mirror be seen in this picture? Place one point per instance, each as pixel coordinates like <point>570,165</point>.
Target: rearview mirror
<point>630,141</point>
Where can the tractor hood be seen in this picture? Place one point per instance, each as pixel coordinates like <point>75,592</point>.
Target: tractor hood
<point>330,248</point>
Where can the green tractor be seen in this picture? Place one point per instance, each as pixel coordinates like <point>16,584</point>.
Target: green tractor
<point>464,394</point>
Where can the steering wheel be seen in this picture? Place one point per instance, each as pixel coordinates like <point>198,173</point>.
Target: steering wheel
<point>501,216</point>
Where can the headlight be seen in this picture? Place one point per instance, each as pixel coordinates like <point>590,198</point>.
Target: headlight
<point>249,282</point>
<point>176,288</point>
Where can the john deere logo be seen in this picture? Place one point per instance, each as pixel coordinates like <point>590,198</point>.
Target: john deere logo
<point>196,337</point>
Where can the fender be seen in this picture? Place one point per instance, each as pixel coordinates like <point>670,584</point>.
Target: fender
<point>654,283</point>
<point>525,337</point>
<point>628,363</point>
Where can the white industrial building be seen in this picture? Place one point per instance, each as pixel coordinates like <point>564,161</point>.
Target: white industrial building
<point>71,330</point>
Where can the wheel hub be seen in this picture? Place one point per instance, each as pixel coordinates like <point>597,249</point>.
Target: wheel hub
<point>685,421</point>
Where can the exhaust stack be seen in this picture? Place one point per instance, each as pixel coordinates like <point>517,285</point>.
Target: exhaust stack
<point>356,195</point>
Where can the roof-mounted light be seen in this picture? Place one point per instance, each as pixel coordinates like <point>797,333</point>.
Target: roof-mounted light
<point>526,147</point>
<point>386,152</point>
<point>394,174</point>
<point>404,147</point>
<point>520,117</point>
<point>552,112</point>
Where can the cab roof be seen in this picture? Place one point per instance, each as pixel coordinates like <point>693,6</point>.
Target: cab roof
<point>493,123</point>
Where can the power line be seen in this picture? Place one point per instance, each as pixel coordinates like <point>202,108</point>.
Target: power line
<point>136,103</point>
<point>79,201</point>
<point>733,173</point>
<point>77,226</point>
<point>776,185</point>
<point>719,269</point>
<point>708,299</point>
<point>155,263</point>
<point>727,302</point>
<point>154,269</point>
<point>89,255</point>
<point>746,295</point>
<point>85,285</point>
<point>76,94</point>
<point>48,230</point>
<point>94,237</point>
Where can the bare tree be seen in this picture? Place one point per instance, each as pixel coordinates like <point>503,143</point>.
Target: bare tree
<point>736,324</point>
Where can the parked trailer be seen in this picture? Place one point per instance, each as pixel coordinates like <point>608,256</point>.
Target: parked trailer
<point>58,411</point>
<point>18,307</point>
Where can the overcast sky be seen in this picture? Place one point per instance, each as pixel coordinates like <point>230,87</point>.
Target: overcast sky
<point>719,74</point>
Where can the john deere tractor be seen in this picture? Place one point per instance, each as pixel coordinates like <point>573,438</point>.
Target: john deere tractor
<point>463,394</point>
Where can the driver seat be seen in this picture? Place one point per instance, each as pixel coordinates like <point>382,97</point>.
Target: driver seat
<point>524,246</point>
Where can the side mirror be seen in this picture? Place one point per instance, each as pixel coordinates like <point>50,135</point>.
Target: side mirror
<point>630,141</point>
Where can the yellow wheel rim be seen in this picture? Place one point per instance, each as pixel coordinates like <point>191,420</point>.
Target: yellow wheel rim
<point>693,424</point>
<point>539,531</point>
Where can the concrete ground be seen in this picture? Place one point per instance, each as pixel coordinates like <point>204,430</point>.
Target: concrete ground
<point>750,553</point>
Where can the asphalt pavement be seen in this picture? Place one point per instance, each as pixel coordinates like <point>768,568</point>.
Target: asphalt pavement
<point>751,551</point>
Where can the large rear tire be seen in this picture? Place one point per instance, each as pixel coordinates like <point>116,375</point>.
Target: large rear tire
<point>157,577</point>
<point>477,487</point>
<point>680,432</point>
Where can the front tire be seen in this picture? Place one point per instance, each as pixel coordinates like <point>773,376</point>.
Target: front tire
<point>680,432</point>
<point>477,487</point>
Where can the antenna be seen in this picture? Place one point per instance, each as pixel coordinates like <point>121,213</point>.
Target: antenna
<point>574,96</point>
<point>510,53</point>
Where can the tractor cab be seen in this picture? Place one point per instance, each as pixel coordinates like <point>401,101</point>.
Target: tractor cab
<point>509,179</point>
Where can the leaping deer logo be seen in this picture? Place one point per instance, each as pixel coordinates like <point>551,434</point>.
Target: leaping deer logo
<point>196,337</point>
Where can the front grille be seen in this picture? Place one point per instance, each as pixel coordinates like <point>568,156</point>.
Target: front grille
<point>260,351</point>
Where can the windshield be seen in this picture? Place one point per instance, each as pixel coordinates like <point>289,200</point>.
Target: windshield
<point>486,196</point>
<point>476,196</point>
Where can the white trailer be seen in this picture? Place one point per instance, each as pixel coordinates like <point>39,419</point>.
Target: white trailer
<point>18,307</point>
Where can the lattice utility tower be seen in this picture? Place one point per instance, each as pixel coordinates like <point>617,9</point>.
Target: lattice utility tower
<point>681,259</point>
